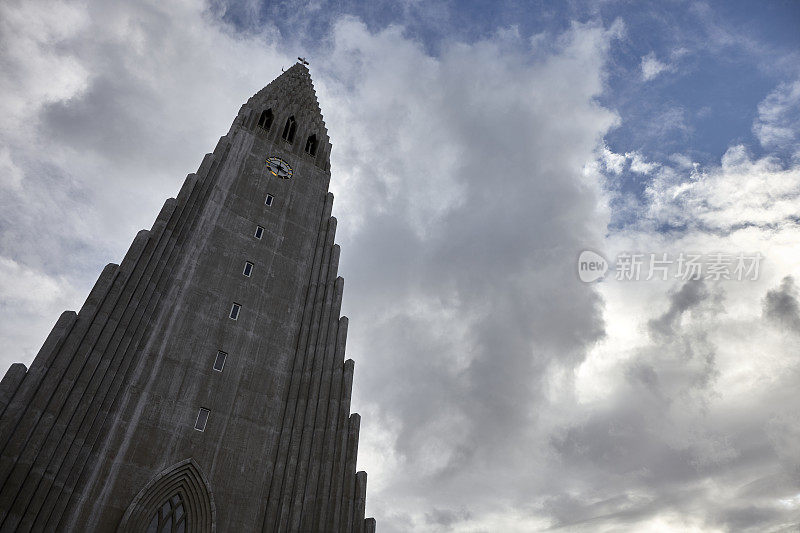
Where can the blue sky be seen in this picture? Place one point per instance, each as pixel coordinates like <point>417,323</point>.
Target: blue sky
<point>478,149</point>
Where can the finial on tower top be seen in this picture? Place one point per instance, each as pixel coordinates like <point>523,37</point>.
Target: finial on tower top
<point>302,60</point>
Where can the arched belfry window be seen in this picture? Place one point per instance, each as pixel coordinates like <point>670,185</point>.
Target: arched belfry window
<point>265,120</point>
<point>289,129</point>
<point>178,500</point>
<point>170,517</point>
<point>311,145</point>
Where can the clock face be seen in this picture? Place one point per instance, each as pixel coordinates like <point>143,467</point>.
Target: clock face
<point>279,167</point>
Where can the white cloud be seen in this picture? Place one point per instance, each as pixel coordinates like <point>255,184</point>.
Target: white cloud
<point>32,301</point>
<point>634,161</point>
<point>639,163</point>
<point>740,192</point>
<point>11,175</point>
<point>652,67</point>
<point>614,163</point>
<point>778,120</point>
<point>711,367</point>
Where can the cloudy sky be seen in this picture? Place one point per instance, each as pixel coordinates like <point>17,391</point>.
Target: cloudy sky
<point>479,148</point>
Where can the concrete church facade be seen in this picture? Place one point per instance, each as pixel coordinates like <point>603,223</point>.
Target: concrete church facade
<point>202,386</point>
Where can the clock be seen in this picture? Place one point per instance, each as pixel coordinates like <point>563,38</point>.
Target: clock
<point>278,167</point>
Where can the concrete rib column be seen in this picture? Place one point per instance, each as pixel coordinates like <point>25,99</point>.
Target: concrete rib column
<point>335,419</point>
<point>333,510</point>
<point>63,404</point>
<point>360,502</point>
<point>280,463</point>
<point>337,336</point>
<point>81,399</point>
<point>349,478</point>
<point>146,298</point>
<point>58,360</point>
<point>330,308</point>
<point>302,397</point>
<point>315,411</point>
<point>283,468</point>
<point>121,355</point>
<point>30,433</point>
<point>18,401</point>
<point>369,525</point>
<point>10,383</point>
<point>171,231</point>
<point>70,325</point>
<point>109,357</point>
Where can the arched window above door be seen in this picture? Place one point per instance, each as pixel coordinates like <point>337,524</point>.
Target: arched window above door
<point>178,500</point>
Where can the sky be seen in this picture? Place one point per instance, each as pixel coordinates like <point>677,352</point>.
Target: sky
<point>478,149</point>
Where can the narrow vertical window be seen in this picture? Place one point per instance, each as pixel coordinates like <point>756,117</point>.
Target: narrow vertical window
<point>265,120</point>
<point>248,268</point>
<point>259,232</point>
<point>289,129</point>
<point>311,145</point>
<point>269,200</point>
<point>235,308</point>
<point>202,419</point>
<point>219,361</point>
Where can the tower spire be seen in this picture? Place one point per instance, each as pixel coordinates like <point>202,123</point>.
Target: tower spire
<point>291,96</point>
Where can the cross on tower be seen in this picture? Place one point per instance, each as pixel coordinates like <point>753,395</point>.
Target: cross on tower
<point>302,60</point>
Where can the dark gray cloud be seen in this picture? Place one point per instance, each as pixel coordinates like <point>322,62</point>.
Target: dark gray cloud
<point>781,307</point>
<point>688,296</point>
<point>446,517</point>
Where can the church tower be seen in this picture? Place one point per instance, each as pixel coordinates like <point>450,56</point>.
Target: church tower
<point>202,386</point>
